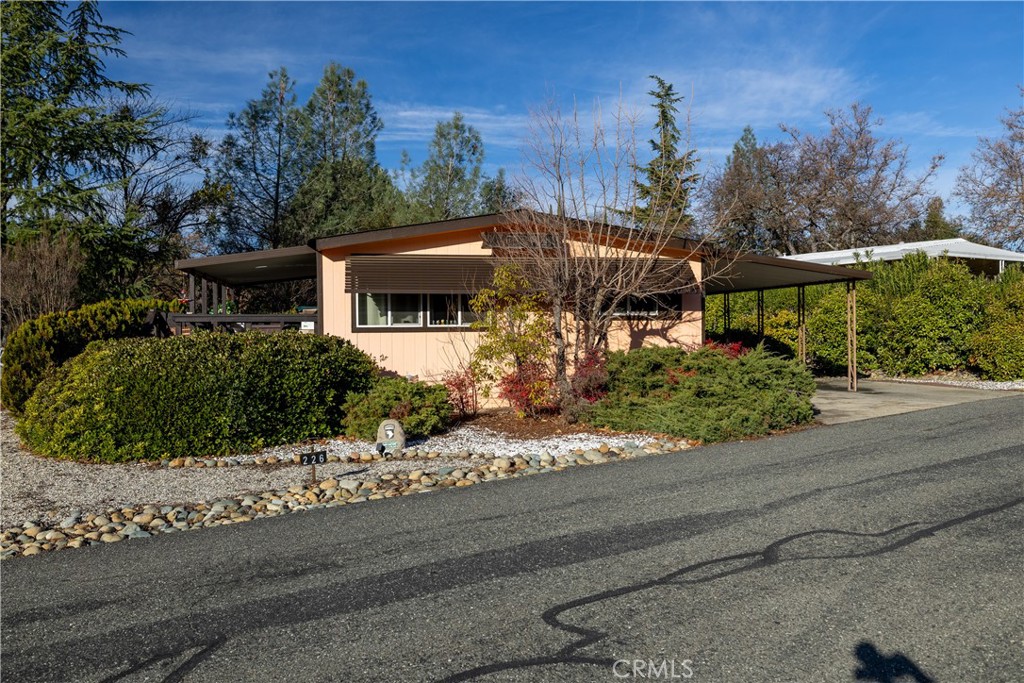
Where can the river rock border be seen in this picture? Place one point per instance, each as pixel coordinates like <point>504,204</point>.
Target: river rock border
<point>144,521</point>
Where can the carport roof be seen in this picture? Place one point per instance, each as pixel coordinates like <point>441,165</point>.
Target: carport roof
<point>748,272</point>
<point>726,272</point>
<point>254,267</point>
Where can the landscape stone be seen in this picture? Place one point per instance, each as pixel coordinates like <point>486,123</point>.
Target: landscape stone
<point>391,436</point>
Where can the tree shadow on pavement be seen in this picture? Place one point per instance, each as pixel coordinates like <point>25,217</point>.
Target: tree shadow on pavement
<point>877,667</point>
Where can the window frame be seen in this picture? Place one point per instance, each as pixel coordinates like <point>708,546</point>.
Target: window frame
<point>664,310</point>
<point>461,324</point>
<point>424,323</point>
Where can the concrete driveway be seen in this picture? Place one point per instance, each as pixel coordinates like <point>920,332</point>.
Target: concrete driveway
<point>833,404</point>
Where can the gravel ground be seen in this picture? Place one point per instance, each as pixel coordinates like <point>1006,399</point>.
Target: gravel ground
<point>32,487</point>
<point>966,382</point>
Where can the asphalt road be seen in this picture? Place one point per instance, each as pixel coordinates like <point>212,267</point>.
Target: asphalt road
<point>852,552</point>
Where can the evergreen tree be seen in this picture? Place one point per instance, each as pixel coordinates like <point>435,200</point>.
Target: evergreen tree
<point>496,195</point>
<point>448,184</point>
<point>90,158</point>
<point>342,196</point>
<point>59,137</point>
<point>668,179</point>
<point>262,164</point>
<point>342,121</point>
<point>935,226</point>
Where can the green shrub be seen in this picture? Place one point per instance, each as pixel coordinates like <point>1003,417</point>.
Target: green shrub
<point>826,331</point>
<point>642,371</point>
<point>423,409</point>
<point>997,349</point>
<point>930,328</point>
<point>48,341</point>
<point>203,394</point>
<point>707,395</point>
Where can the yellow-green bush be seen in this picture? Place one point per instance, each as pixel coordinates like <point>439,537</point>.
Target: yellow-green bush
<point>41,344</point>
<point>202,394</point>
<point>997,349</point>
<point>826,330</point>
<point>929,328</point>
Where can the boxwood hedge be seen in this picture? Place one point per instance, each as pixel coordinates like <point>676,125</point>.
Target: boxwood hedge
<point>216,394</point>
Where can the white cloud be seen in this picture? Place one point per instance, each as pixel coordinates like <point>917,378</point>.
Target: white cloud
<point>415,123</point>
<point>923,123</point>
<point>733,98</point>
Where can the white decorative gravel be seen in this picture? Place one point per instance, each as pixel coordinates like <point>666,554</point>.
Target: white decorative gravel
<point>987,385</point>
<point>33,487</point>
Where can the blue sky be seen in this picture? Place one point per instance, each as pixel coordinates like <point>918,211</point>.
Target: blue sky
<point>939,74</point>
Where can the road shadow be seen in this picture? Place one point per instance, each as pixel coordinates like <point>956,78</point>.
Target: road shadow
<point>877,667</point>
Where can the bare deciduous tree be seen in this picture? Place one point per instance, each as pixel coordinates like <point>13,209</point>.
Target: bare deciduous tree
<point>847,188</point>
<point>993,184</point>
<point>39,276</point>
<point>579,237</point>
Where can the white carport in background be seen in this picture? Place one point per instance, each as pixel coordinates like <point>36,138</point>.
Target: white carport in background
<point>979,258</point>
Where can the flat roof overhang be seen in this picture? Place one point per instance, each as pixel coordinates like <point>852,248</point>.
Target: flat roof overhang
<point>254,267</point>
<point>748,273</point>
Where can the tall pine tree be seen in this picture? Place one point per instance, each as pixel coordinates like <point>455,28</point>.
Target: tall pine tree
<point>669,179</point>
<point>262,162</point>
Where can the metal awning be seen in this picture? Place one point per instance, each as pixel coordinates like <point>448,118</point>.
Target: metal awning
<point>425,274</point>
<point>747,273</point>
<point>254,267</point>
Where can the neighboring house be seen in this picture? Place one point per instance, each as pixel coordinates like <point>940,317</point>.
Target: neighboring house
<point>978,257</point>
<point>402,294</point>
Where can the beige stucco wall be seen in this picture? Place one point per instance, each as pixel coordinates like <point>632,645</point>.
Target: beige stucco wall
<point>427,354</point>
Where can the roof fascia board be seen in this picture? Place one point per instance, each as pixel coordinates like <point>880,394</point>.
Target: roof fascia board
<point>845,273</point>
<point>408,231</point>
<point>243,257</point>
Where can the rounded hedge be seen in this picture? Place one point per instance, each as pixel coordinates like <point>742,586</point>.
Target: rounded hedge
<point>41,344</point>
<point>423,409</point>
<point>202,394</point>
<point>708,394</point>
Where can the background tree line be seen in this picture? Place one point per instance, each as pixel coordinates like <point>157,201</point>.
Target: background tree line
<point>104,186</point>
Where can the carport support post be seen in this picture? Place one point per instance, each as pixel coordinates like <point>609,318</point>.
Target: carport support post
<point>801,322</point>
<point>726,314</point>
<point>760,313</point>
<point>191,293</point>
<point>851,335</point>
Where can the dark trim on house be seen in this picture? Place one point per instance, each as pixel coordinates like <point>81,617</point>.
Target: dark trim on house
<point>254,267</point>
<point>320,293</point>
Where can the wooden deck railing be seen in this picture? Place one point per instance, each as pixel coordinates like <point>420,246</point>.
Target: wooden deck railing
<point>241,322</point>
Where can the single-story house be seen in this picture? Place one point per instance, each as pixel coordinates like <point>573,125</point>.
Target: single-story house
<point>402,294</point>
<point>980,258</point>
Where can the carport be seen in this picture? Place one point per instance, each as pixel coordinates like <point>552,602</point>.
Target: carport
<point>740,272</point>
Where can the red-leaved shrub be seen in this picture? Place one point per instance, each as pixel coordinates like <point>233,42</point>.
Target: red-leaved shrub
<point>527,389</point>
<point>462,391</point>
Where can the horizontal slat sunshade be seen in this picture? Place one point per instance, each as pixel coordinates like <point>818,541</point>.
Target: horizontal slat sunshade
<point>425,274</point>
